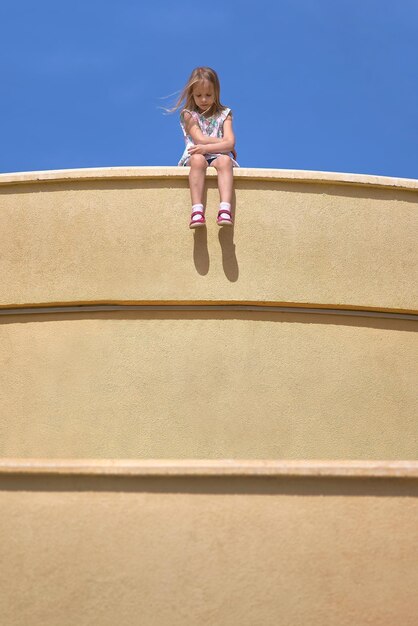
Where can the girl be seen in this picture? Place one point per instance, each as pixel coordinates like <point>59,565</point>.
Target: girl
<point>210,140</point>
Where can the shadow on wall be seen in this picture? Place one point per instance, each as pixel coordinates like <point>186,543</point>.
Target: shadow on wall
<point>226,240</point>
<point>226,485</point>
<point>324,319</point>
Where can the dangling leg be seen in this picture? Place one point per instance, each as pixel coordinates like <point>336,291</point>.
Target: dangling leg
<point>197,175</point>
<point>223,165</point>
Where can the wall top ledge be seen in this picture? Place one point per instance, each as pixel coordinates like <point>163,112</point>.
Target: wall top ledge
<point>201,467</point>
<point>168,172</point>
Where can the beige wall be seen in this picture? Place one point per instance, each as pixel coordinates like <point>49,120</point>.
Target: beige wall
<point>204,384</point>
<point>321,543</point>
<point>128,240</point>
<point>208,384</point>
<point>182,550</point>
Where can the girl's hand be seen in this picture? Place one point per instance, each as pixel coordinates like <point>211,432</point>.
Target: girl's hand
<point>199,149</point>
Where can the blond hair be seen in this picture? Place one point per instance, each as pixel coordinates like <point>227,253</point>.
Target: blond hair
<point>186,100</point>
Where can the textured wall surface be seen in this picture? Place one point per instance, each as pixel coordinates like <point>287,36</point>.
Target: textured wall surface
<point>128,240</point>
<point>204,384</point>
<point>216,542</point>
<point>187,551</point>
<point>208,384</point>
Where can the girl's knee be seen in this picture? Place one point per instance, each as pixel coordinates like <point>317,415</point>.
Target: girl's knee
<point>198,161</point>
<point>223,162</point>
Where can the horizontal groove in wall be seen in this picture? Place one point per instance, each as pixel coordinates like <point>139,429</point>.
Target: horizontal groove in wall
<point>193,467</point>
<point>44,309</point>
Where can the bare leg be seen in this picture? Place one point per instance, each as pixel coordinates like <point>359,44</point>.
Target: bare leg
<point>223,165</point>
<point>198,165</point>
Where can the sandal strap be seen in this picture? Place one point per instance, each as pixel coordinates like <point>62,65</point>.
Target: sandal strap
<point>224,211</point>
<point>197,213</point>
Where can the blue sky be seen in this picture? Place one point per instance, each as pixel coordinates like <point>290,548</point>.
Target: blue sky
<point>327,85</point>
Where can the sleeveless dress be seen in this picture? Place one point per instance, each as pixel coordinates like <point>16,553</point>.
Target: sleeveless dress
<point>210,126</point>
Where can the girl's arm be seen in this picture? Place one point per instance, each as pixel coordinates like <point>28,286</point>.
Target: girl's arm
<point>229,133</point>
<point>202,143</point>
<point>220,146</point>
<point>192,129</point>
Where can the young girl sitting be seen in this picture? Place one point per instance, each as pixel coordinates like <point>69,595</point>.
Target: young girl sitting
<point>210,140</point>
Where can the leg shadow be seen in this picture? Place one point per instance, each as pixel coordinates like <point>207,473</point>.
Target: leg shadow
<point>226,239</point>
<point>200,245</point>
<point>200,250</point>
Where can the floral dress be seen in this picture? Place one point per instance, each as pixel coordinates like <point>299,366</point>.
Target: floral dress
<point>210,126</point>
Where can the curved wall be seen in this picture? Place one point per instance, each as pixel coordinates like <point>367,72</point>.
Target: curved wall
<point>293,336</point>
<point>122,236</point>
<point>272,376</point>
<point>185,544</point>
<point>204,384</point>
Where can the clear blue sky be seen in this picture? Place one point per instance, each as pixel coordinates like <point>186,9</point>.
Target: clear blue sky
<point>326,85</point>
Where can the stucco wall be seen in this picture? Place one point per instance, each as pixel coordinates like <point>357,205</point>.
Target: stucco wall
<point>292,336</point>
<point>212,383</point>
<point>183,550</point>
<point>208,384</point>
<point>75,239</point>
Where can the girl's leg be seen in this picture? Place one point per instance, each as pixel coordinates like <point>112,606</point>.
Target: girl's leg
<point>223,165</point>
<point>198,165</point>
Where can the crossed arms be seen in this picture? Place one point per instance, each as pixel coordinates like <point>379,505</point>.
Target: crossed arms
<point>205,144</point>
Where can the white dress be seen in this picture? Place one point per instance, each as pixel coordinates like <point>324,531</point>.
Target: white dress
<point>210,126</point>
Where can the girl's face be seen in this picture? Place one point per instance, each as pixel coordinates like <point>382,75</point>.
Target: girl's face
<point>203,95</point>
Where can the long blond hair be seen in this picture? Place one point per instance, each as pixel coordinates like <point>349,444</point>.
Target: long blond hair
<point>186,100</point>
